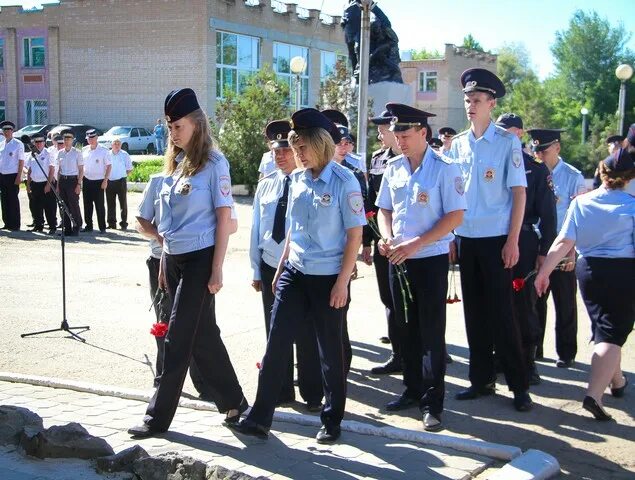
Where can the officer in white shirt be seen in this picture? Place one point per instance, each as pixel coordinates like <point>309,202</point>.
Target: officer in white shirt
<point>96,174</point>
<point>41,169</point>
<point>117,188</point>
<point>12,160</point>
<point>69,181</point>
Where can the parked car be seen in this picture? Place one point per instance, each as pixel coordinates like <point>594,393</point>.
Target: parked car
<point>78,130</point>
<point>133,139</point>
<point>32,130</point>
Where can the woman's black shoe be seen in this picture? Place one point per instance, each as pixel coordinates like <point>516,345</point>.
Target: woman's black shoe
<point>590,405</point>
<point>144,431</point>
<point>619,392</point>
<point>244,405</point>
<point>247,427</point>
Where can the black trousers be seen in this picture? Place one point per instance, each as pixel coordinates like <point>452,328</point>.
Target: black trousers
<point>9,201</point>
<point>524,301</point>
<point>564,288</point>
<point>487,307</point>
<point>29,196</point>
<point>309,372</point>
<point>43,204</point>
<point>422,330</point>
<point>67,186</point>
<point>383,284</point>
<point>303,298</point>
<point>117,190</point>
<point>93,194</point>
<point>192,332</point>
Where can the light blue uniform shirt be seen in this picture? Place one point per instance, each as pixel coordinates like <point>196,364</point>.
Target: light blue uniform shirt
<point>262,246</point>
<point>356,161</point>
<point>491,166</point>
<point>188,206</point>
<point>602,224</point>
<point>567,183</point>
<point>149,209</point>
<point>419,199</point>
<point>267,164</point>
<point>320,211</point>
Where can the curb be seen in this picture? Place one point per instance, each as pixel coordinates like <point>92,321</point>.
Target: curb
<point>533,464</point>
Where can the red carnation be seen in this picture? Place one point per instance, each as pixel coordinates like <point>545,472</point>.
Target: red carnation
<point>370,215</point>
<point>456,299</point>
<point>159,329</point>
<point>258,365</point>
<point>518,284</point>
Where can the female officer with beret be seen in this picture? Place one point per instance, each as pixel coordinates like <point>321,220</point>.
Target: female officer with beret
<point>195,224</point>
<point>601,225</point>
<point>326,211</point>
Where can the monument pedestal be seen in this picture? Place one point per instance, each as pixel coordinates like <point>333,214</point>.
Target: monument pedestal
<point>385,92</point>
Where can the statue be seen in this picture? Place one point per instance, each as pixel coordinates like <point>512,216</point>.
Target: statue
<point>384,44</point>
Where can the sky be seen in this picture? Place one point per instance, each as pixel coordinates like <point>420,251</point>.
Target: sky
<point>492,22</point>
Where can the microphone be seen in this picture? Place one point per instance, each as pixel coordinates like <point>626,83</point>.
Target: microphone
<point>26,140</point>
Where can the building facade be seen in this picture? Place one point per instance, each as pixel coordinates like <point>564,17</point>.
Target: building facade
<point>436,83</point>
<point>112,62</point>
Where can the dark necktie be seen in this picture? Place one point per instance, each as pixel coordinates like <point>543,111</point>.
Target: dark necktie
<point>278,233</point>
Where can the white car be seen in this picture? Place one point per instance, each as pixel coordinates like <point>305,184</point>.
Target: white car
<point>133,139</point>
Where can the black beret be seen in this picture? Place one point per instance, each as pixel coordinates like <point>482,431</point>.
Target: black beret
<point>383,119</point>
<point>482,80</point>
<point>336,117</point>
<point>278,132</point>
<point>447,131</point>
<point>91,133</point>
<point>406,117</point>
<point>7,125</point>
<point>180,103</point>
<point>509,120</point>
<point>615,138</point>
<point>544,137</point>
<point>620,161</point>
<point>436,142</point>
<point>312,118</point>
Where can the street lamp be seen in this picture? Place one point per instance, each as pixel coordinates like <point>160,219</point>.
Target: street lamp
<point>623,72</point>
<point>584,111</point>
<point>297,68</point>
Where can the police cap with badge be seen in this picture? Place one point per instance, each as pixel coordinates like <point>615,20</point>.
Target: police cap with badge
<point>335,116</point>
<point>447,132</point>
<point>7,125</point>
<point>67,133</point>
<point>509,120</point>
<point>436,142</point>
<point>615,139</point>
<point>278,132</point>
<point>92,133</point>
<point>384,119</point>
<point>405,117</point>
<point>543,138</point>
<point>482,80</point>
<point>180,103</point>
<point>311,118</point>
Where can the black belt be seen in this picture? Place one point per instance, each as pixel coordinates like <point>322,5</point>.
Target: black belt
<point>67,177</point>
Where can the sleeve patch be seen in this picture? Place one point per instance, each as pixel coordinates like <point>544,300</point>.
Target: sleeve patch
<point>225,185</point>
<point>356,202</point>
<point>517,158</point>
<point>459,186</point>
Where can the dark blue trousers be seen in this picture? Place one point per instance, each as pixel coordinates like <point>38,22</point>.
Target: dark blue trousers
<point>303,298</point>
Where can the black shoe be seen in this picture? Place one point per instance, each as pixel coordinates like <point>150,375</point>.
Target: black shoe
<point>31,225</point>
<point>112,227</point>
<point>448,359</point>
<point>244,405</point>
<point>393,365</point>
<point>539,354</point>
<point>384,340</point>
<point>534,378</point>
<point>285,401</point>
<point>619,392</point>
<point>314,407</point>
<point>144,431</point>
<point>402,403</point>
<point>87,229</point>
<point>102,230</point>
<point>51,231</point>
<point>564,363</point>
<point>328,435</point>
<point>473,392</point>
<point>590,405</point>
<point>247,427</point>
<point>432,422</point>
<point>37,229</point>
<point>522,401</point>
<point>124,227</point>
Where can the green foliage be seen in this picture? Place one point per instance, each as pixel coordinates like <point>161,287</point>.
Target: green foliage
<point>241,121</point>
<point>514,64</point>
<point>141,170</point>
<point>470,42</point>
<point>425,54</point>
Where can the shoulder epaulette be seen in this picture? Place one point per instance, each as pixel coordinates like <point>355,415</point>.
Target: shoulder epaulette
<point>503,133</point>
<point>270,174</point>
<point>341,172</point>
<point>215,156</point>
<point>442,158</point>
<point>377,152</point>
<point>464,132</point>
<point>395,158</point>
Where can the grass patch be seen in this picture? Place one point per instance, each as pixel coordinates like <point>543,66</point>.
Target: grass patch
<point>142,169</point>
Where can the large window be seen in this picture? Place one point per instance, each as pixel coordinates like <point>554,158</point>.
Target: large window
<point>282,55</point>
<point>36,112</point>
<point>34,52</point>
<point>2,111</point>
<point>427,81</point>
<point>328,60</point>
<point>237,58</point>
<point>1,52</point>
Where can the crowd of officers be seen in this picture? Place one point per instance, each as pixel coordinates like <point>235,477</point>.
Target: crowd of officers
<point>99,174</point>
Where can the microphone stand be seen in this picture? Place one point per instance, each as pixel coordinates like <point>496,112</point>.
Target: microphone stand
<point>64,327</point>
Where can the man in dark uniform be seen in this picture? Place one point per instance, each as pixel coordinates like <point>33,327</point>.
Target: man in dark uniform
<point>540,212</point>
<point>379,160</point>
<point>12,160</point>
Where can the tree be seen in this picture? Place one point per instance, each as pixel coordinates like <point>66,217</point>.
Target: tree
<point>425,54</point>
<point>470,42</point>
<point>514,64</point>
<point>242,120</point>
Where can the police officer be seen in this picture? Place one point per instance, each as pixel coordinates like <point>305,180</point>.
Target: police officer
<point>421,201</point>
<point>567,183</point>
<point>97,167</point>
<point>436,144</point>
<point>41,194</point>
<point>121,166</point>
<point>69,182</point>
<point>268,230</point>
<point>540,213</point>
<point>379,160</point>
<point>446,134</point>
<point>195,224</point>
<point>347,144</point>
<point>326,212</point>
<point>491,162</point>
<point>12,159</point>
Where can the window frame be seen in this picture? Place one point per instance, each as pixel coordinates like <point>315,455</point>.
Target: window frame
<point>27,54</point>
<point>32,109</point>
<point>426,76</point>
<point>1,53</point>
<point>3,110</point>
<point>239,72</point>
<point>290,77</point>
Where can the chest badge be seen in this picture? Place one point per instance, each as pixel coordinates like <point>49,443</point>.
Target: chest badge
<point>184,189</point>
<point>326,200</point>
<point>423,198</point>
<point>489,175</point>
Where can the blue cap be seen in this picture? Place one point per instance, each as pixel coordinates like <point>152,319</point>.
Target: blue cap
<point>180,103</point>
<point>312,118</point>
<point>436,142</point>
<point>543,138</point>
<point>482,80</point>
<point>509,120</point>
<point>620,161</point>
<point>406,117</point>
<point>335,116</point>
<point>383,119</point>
<point>277,132</point>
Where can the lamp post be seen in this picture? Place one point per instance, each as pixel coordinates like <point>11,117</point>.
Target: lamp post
<point>623,72</point>
<point>364,58</point>
<point>297,66</point>
<point>584,111</point>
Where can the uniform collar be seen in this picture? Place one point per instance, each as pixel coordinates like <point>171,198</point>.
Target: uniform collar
<point>558,166</point>
<point>326,173</point>
<point>488,135</point>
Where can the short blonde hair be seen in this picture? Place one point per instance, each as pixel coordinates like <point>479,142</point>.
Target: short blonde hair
<point>319,144</point>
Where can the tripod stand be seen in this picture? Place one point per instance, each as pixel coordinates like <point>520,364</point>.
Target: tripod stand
<point>64,327</point>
